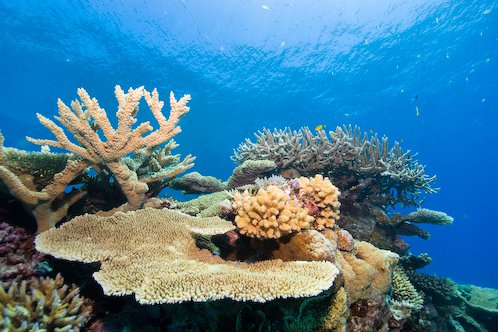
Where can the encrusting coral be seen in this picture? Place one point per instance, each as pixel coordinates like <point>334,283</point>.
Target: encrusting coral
<point>306,246</point>
<point>195,183</point>
<point>18,256</point>
<point>146,173</point>
<point>42,304</point>
<point>152,253</point>
<point>367,272</point>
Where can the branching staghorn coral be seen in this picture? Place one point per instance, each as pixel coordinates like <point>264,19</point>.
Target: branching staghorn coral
<point>152,253</point>
<point>157,167</point>
<point>349,157</point>
<point>42,304</point>
<point>85,119</point>
<point>38,189</point>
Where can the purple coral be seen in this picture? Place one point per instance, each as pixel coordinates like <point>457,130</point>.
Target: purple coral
<point>18,256</point>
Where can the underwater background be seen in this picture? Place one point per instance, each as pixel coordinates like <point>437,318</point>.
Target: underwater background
<point>424,73</point>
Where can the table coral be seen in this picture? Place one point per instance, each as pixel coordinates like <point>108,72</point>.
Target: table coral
<point>152,253</point>
<point>42,304</point>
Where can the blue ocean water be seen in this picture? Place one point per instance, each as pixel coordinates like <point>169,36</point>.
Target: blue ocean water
<point>255,64</point>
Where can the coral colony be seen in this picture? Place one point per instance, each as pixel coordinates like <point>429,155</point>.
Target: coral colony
<point>303,236</point>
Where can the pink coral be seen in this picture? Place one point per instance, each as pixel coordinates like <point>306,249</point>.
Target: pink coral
<point>18,256</point>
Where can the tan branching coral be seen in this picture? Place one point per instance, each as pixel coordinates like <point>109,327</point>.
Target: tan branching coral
<point>271,213</point>
<point>42,304</point>
<point>368,271</point>
<point>152,253</point>
<point>85,116</point>
<point>321,198</point>
<point>387,175</point>
<point>36,193</point>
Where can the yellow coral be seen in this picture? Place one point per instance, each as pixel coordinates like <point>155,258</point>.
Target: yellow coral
<point>42,304</point>
<point>271,213</point>
<point>321,197</point>
<point>152,253</point>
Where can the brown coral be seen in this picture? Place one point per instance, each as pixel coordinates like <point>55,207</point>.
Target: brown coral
<point>368,271</point>
<point>321,198</point>
<point>152,253</point>
<point>271,213</point>
<point>307,246</point>
<point>42,304</point>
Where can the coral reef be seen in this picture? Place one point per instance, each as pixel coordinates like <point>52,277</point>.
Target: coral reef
<point>384,176</point>
<point>251,253</point>
<point>151,252</point>
<point>42,304</point>
<point>18,256</point>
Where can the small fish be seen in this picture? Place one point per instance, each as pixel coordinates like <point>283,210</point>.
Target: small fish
<point>320,127</point>
<point>220,180</point>
<point>95,126</point>
<point>487,11</point>
<point>437,20</point>
<point>265,7</point>
<point>371,131</point>
<point>417,111</point>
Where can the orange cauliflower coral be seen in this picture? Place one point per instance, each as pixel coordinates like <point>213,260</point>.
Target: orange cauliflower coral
<point>271,213</point>
<point>321,198</point>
